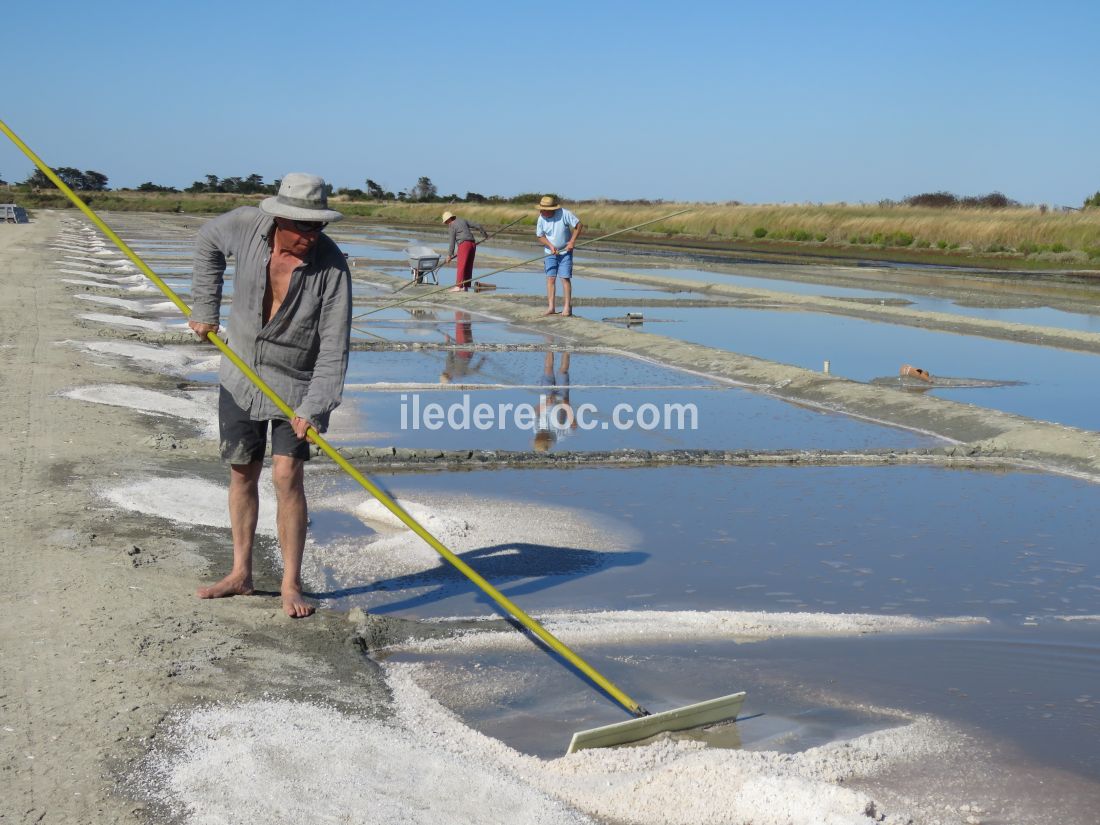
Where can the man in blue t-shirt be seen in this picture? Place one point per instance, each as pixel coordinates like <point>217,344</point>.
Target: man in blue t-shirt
<point>557,229</point>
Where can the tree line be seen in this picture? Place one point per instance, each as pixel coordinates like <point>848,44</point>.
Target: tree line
<point>86,181</point>
<point>424,191</point>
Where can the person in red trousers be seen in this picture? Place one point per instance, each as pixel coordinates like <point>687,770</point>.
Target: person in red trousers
<point>462,234</point>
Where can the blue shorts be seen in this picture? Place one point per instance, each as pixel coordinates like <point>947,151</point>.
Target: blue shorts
<point>558,266</point>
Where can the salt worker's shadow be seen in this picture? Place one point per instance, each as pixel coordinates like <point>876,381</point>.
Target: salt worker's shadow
<point>530,567</point>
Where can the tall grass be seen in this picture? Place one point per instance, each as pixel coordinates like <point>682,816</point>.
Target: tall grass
<point>1020,230</point>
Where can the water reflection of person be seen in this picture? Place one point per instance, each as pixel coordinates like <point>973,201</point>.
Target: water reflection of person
<point>460,362</point>
<point>556,418</point>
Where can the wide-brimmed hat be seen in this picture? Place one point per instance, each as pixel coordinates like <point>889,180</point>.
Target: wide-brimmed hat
<point>447,216</point>
<point>301,197</point>
<point>549,202</point>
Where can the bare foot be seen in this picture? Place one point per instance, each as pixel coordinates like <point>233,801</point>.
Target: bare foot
<point>550,312</point>
<point>232,585</point>
<point>456,289</point>
<point>295,605</point>
<point>565,313</point>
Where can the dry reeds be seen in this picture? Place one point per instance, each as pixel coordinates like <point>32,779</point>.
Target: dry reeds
<point>1019,229</point>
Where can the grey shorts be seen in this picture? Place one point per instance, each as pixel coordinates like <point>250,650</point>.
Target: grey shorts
<point>244,441</point>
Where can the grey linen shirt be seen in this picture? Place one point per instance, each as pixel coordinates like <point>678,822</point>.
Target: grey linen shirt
<point>302,352</point>
<point>463,230</point>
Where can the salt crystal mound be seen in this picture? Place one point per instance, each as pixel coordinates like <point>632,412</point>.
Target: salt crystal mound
<point>199,406</point>
<point>165,359</point>
<point>124,321</point>
<point>656,626</point>
<point>190,500</point>
<point>669,782</point>
<point>103,285</point>
<point>308,763</point>
<point>118,303</point>
<point>460,523</point>
<point>101,276</point>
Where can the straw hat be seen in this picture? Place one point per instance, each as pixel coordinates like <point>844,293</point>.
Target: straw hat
<point>301,198</point>
<point>548,202</point>
<point>448,216</point>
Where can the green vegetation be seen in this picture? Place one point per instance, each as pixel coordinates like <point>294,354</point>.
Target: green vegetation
<point>1005,236</point>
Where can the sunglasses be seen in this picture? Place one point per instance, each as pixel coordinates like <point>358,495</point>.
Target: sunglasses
<point>308,226</point>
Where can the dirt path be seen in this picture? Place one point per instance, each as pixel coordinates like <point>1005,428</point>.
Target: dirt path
<point>101,633</point>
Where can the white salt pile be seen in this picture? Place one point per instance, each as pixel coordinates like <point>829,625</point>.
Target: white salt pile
<point>119,303</point>
<point>461,523</point>
<point>654,626</point>
<point>190,500</point>
<point>304,761</point>
<point>124,321</point>
<point>173,360</point>
<point>307,763</point>
<point>196,406</point>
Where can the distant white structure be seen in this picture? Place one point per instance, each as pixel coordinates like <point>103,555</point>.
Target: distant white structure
<point>10,213</point>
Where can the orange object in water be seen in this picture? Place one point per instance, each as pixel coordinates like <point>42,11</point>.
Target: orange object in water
<point>909,371</point>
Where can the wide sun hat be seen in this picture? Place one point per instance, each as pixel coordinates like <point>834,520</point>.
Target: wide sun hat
<point>549,202</point>
<point>447,216</point>
<point>301,197</point>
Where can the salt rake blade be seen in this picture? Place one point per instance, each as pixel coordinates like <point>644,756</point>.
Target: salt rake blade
<point>710,712</point>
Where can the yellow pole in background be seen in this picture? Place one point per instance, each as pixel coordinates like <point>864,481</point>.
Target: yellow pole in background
<point>507,604</point>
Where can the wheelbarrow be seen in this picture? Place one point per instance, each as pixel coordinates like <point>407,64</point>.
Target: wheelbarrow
<point>423,263</point>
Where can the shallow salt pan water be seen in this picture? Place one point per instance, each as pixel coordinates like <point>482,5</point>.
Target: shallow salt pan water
<point>1054,385</point>
<point>1086,318</point>
<point>441,326</point>
<point>892,540</point>
<point>617,402</point>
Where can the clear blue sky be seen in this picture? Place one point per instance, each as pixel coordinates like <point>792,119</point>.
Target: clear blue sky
<point>762,101</point>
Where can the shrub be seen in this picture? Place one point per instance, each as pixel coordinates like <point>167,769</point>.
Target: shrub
<point>1059,247</point>
<point>820,236</point>
<point>1094,201</point>
<point>801,235</point>
<point>941,244</point>
<point>760,232</point>
<point>994,200</point>
<point>938,200</point>
<point>923,244</point>
<point>901,239</point>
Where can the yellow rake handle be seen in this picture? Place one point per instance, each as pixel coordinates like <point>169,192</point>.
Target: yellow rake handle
<point>366,483</point>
